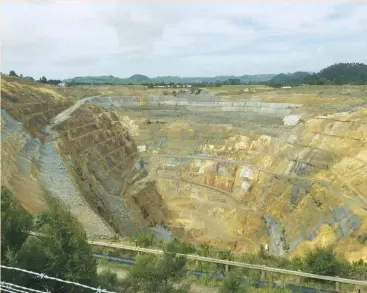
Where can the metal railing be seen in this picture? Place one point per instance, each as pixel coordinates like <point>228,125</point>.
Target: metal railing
<point>337,280</point>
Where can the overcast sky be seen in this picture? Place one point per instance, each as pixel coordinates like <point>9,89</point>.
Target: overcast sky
<point>67,39</point>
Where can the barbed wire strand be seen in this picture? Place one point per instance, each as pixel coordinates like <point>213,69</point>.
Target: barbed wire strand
<point>17,290</point>
<point>10,285</point>
<point>7,290</point>
<point>44,276</point>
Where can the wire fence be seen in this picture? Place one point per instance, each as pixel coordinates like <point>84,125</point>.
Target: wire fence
<point>18,288</point>
<point>12,288</point>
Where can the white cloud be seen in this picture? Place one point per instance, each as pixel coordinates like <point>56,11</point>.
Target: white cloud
<point>66,39</point>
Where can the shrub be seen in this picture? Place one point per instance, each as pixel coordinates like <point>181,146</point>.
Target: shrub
<point>144,240</point>
<point>323,261</point>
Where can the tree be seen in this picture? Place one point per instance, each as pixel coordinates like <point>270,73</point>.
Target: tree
<point>153,274</point>
<point>43,79</point>
<point>204,249</point>
<point>63,251</point>
<point>16,223</point>
<point>143,239</point>
<point>108,280</point>
<point>12,73</point>
<point>323,261</point>
<point>178,246</point>
<point>225,255</point>
<point>232,284</point>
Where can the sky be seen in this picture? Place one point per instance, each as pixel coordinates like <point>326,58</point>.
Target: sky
<point>65,39</point>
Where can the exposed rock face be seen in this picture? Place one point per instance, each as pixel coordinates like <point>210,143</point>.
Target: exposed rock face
<point>231,179</point>
<point>282,190</point>
<point>88,161</point>
<point>105,165</point>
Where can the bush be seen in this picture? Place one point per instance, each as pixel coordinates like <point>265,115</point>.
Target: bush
<point>323,261</point>
<point>362,238</point>
<point>179,246</point>
<point>144,240</point>
<point>233,284</point>
<point>152,274</point>
<point>16,223</point>
<point>108,280</point>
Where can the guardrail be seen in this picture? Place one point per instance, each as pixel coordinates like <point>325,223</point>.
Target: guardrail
<point>357,283</point>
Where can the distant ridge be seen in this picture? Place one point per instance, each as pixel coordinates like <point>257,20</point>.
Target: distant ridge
<point>140,78</point>
<point>340,73</point>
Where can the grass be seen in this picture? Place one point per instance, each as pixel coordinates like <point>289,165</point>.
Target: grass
<point>211,284</point>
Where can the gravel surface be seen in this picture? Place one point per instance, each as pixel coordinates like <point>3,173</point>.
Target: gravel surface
<point>276,235</point>
<point>55,178</point>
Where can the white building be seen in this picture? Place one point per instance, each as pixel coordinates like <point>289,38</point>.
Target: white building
<point>142,148</point>
<point>62,84</point>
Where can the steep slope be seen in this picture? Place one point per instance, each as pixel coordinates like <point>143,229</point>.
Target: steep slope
<point>105,164</point>
<point>84,156</point>
<point>26,108</point>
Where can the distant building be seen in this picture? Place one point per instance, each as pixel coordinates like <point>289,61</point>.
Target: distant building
<point>141,148</point>
<point>286,87</point>
<point>266,247</point>
<point>62,84</point>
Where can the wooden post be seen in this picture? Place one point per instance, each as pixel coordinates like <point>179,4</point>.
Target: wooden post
<point>281,280</point>
<point>227,268</point>
<point>299,278</point>
<point>262,275</point>
<point>337,285</point>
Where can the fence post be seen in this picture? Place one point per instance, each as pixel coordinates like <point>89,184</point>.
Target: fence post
<point>281,281</point>
<point>337,285</point>
<point>263,274</point>
<point>227,268</point>
<point>299,278</point>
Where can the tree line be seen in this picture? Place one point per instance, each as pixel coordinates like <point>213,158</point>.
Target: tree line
<point>42,79</point>
<point>337,74</point>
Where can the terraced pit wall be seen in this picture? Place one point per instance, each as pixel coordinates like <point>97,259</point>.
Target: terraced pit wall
<point>202,100</point>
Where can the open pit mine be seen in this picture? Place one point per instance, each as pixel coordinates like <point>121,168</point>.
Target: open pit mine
<point>235,169</point>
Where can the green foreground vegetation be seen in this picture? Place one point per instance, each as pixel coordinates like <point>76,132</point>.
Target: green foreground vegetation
<point>321,261</point>
<point>63,252</point>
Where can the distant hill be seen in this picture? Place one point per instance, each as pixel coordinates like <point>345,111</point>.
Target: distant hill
<point>340,73</point>
<point>289,77</point>
<point>141,79</point>
<point>242,78</point>
<point>355,73</point>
